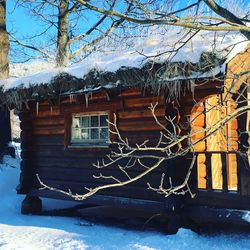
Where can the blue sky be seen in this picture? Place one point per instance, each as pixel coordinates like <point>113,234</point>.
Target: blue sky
<point>20,21</point>
<point>22,24</point>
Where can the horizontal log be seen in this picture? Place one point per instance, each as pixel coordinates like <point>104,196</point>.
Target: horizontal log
<point>83,168</point>
<point>54,111</point>
<point>41,105</point>
<point>198,120</point>
<point>236,67</point>
<point>57,163</point>
<point>200,147</point>
<point>199,108</point>
<point>145,113</point>
<point>42,123</point>
<point>131,92</point>
<point>48,102</point>
<point>140,125</point>
<point>233,124</point>
<point>99,106</point>
<point>55,130</point>
<point>137,137</point>
<point>88,161</point>
<point>132,128</point>
<point>37,107</point>
<point>100,96</point>
<point>27,140</point>
<point>32,115</point>
<point>233,135</point>
<point>202,183</point>
<point>142,101</point>
<point>52,157</point>
<point>38,147</point>
<point>27,135</point>
<point>233,145</point>
<point>79,154</point>
<point>197,136</point>
<point>86,165</point>
<point>201,158</point>
<point>49,120</point>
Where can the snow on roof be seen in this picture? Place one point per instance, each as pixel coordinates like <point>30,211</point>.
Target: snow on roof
<point>223,45</point>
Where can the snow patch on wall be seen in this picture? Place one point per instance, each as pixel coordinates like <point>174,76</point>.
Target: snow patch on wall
<point>246,216</point>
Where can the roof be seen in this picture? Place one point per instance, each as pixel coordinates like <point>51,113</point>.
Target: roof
<point>139,66</point>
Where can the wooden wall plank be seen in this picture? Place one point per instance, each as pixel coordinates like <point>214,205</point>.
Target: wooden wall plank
<point>139,113</point>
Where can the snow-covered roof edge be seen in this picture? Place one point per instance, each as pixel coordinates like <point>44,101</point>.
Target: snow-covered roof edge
<point>170,75</point>
<point>124,69</point>
<point>155,48</point>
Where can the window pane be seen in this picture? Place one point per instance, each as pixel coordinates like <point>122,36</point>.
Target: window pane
<point>85,122</point>
<point>103,120</point>
<point>104,133</point>
<point>76,122</point>
<point>94,134</point>
<point>85,134</point>
<point>89,129</point>
<point>94,121</point>
<point>76,134</point>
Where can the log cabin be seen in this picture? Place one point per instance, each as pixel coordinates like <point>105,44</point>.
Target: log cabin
<point>65,130</point>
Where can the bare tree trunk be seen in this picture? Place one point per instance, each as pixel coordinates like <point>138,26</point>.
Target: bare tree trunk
<point>62,34</point>
<point>4,42</point>
<point>5,132</point>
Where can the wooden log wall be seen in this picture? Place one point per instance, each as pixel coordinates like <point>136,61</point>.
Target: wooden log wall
<point>46,143</point>
<point>238,76</point>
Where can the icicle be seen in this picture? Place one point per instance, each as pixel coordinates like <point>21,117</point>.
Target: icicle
<point>87,99</point>
<point>192,86</point>
<point>16,102</point>
<point>20,104</point>
<point>51,109</point>
<point>37,108</point>
<point>107,95</point>
<point>26,105</point>
<point>70,98</point>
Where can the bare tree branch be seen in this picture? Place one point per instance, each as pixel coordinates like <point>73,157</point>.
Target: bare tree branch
<point>175,22</point>
<point>30,46</point>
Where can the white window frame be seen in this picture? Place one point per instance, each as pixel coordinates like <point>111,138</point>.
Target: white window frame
<point>90,142</point>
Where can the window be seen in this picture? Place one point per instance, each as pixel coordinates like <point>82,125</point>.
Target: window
<point>90,129</point>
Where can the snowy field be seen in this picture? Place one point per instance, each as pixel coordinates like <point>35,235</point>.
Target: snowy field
<point>19,232</point>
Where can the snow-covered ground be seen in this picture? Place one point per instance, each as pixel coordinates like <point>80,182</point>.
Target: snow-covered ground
<point>19,232</point>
